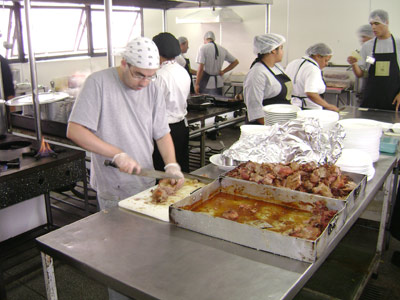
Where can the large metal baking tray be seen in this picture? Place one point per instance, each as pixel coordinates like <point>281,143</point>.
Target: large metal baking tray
<point>350,200</point>
<point>261,239</point>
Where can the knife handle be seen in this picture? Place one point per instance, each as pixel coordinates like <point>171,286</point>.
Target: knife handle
<point>109,163</point>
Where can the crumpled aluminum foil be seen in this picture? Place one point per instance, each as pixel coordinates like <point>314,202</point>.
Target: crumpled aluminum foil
<point>297,140</point>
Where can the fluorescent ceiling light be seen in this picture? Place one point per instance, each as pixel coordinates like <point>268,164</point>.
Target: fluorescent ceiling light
<point>219,15</point>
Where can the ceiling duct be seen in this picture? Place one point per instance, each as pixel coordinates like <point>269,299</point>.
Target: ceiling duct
<point>219,15</point>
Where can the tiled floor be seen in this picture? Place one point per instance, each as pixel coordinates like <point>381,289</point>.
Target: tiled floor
<point>72,284</point>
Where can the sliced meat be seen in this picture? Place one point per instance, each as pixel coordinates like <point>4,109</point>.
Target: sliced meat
<point>230,215</point>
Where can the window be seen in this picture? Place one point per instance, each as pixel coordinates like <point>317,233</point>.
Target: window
<point>7,35</point>
<point>125,25</point>
<point>60,30</point>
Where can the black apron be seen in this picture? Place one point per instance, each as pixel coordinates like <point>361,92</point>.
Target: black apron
<point>303,102</point>
<point>187,68</point>
<point>180,137</point>
<point>204,80</point>
<point>381,89</point>
<point>283,97</point>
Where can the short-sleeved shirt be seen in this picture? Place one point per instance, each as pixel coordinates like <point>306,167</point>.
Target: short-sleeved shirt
<point>308,80</point>
<point>174,83</point>
<point>260,84</point>
<point>180,59</point>
<point>382,46</point>
<point>126,118</point>
<point>212,66</point>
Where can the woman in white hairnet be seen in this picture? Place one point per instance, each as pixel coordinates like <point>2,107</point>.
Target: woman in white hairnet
<point>266,83</point>
<point>306,75</point>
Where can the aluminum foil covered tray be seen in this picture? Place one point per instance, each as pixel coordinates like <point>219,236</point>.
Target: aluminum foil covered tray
<point>260,227</point>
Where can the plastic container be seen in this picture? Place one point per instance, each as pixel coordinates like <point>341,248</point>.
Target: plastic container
<point>388,144</point>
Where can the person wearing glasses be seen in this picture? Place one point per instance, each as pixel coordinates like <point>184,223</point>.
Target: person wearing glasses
<point>174,83</point>
<point>118,115</point>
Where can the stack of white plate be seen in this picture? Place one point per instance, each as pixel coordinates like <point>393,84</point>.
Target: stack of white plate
<point>327,118</point>
<point>356,161</point>
<point>252,129</point>
<point>362,134</point>
<point>279,113</point>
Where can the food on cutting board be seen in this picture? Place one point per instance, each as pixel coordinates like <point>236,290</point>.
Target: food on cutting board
<point>165,190</point>
<point>326,180</point>
<point>298,219</point>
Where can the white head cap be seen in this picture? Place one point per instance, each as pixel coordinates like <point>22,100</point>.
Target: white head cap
<point>365,30</point>
<point>379,16</point>
<point>209,35</point>
<point>265,43</point>
<point>142,52</point>
<point>319,49</point>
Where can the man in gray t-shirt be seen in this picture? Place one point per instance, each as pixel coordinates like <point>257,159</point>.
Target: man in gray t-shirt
<point>210,58</point>
<point>117,115</point>
<point>379,57</point>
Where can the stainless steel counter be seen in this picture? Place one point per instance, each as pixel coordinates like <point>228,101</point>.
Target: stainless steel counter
<point>149,259</point>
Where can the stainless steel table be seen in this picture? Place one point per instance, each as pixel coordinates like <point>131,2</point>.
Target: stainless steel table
<point>150,259</point>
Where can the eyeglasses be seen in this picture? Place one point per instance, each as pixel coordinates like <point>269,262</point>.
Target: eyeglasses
<point>140,76</point>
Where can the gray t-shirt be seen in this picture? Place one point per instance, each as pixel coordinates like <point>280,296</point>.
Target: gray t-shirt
<point>125,118</point>
<point>212,66</point>
<point>382,46</point>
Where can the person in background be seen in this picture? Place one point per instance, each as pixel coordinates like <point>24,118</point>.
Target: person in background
<point>307,79</point>
<point>364,34</point>
<point>184,61</point>
<point>266,83</point>
<point>210,58</point>
<point>174,85</point>
<point>380,59</point>
<point>8,83</point>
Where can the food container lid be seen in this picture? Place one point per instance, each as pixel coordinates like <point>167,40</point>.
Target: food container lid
<point>44,98</point>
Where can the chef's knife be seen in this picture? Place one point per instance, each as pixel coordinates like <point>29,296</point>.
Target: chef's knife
<point>159,174</point>
<point>146,172</point>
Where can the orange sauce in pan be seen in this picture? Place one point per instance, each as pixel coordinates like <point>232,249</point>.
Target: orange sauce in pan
<point>262,214</point>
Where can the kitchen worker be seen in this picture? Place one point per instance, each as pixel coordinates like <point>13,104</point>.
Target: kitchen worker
<point>364,34</point>
<point>307,79</point>
<point>184,61</point>
<point>266,83</point>
<point>117,115</point>
<point>174,83</point>
<point>380,58</point>
<point>210,58</point>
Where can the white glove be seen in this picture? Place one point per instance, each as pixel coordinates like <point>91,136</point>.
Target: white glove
<point>126,164</point>
<point>175,170</point>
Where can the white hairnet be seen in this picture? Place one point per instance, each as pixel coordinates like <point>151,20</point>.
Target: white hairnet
<point>182,40</point>
<point>379,16</point>
<point>265,43</point>
<point>143,53</point>
<point>365,30</point>
<point>319,49</point>
<point>209,35</point>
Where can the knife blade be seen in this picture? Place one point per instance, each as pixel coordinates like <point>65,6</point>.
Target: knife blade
<point>159,174</point>
<point>145,172</point>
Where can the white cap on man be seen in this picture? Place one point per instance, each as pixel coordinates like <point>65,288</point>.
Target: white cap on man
<point>379,16</point>
<point>143,53</point>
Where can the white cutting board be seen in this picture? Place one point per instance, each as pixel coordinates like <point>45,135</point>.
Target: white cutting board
<point>141,202</point>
